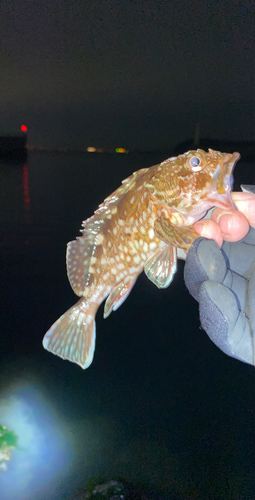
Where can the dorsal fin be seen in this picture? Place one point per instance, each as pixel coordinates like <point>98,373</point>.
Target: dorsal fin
<point>80,251</point>
<point>127,184</point>
<point>78,257</point>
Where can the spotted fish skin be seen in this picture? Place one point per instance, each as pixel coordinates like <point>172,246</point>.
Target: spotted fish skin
<point>138,227</point>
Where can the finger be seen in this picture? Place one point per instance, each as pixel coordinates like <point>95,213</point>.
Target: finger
<point>233,224</point>
<point>208,228</point>
<point>245,203</point>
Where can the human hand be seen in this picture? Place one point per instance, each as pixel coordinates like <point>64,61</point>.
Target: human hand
<point>223,281</point>
<point>230,225</point>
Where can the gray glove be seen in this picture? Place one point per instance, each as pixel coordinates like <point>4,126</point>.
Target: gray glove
<point>223,282</point>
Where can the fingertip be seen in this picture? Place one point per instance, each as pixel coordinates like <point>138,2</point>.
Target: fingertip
<point>208,228</point>
<point>233,226</point>
<point>245,202</point>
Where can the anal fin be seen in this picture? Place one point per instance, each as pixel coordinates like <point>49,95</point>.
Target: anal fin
<point>118,295</point>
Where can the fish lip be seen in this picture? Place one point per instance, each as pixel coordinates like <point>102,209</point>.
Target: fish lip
<point>222,200</point>
<point>224,174</point>
<point>223,182</point>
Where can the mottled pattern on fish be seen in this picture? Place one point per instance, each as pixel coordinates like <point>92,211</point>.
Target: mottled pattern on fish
<point>138,227</point>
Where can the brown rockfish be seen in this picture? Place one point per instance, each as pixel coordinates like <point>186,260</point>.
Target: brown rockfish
<point>139,226</point>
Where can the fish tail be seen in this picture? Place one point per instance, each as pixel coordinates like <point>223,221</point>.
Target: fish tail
<point>73,335</point>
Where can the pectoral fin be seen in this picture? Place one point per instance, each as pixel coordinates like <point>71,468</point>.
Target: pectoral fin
<point>161,267</point>
<point>118,295</point>
<point>182,236</point>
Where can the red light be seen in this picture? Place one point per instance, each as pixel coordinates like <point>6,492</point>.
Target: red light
<point>23,128</point>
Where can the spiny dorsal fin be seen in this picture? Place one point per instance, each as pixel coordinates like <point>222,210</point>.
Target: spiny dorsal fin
<point>117,195</point>
<point>80,252</point>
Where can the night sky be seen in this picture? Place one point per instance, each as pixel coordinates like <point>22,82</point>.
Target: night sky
<point>137,74</point>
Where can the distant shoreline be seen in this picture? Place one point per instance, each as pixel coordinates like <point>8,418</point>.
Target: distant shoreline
<point>245,148</point>
<point>16,147</point>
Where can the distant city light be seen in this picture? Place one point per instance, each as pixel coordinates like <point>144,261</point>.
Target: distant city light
<point>120,150</point>
<point>92,149</point>
<point>23,128</point>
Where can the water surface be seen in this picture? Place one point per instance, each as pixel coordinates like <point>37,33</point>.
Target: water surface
<point>160,404</point>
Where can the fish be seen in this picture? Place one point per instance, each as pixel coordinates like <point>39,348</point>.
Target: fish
<point>138,227</point>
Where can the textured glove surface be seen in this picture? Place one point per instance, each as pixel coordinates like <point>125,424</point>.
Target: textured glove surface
<point>223,282</point>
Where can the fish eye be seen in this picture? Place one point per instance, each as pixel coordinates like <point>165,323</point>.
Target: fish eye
<point>194,163</point>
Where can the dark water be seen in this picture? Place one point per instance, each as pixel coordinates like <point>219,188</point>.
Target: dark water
<point>160,405</point>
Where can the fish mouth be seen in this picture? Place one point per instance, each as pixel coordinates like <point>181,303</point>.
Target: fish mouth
<point>223,181</point>
<point>225,174</point>
<point>222,201</point>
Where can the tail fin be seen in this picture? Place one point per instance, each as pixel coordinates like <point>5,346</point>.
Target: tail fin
<point>73,335</point>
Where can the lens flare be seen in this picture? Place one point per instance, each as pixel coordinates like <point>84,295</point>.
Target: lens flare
<point>43,452</point>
